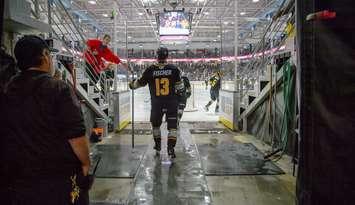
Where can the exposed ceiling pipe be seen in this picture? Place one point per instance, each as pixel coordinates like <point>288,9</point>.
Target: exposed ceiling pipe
<point>71,8</point>
<point>146,16</point>
<point>200,16</point>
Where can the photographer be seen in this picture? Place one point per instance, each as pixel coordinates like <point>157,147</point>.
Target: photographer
<point>44,152</point>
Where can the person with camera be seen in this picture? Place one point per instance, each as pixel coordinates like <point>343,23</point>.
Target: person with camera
<point>44,152</point>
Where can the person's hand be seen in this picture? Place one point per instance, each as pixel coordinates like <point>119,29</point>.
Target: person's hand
<point>86,182</point>
<point>85,169</point>
<point>111,66</point>
<point>130,85</point>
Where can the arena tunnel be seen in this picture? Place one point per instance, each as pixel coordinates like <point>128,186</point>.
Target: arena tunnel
<point>178,102</point>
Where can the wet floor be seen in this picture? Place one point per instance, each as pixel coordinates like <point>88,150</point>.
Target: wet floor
<point>161,180</point>
<point>157,181</point>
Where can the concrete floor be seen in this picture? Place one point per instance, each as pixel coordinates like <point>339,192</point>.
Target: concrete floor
<point>225,190</point>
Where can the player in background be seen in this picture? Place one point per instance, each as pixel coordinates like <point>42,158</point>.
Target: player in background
<point>186,93</point>
<point>215,82</point>
<point>165,85</point>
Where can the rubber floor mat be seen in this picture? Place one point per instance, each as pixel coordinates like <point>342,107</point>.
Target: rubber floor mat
<point>231,158</point>
<point>136,131</point>
<point>161,181</point>
<point>209,131</point>
<point>119,161</point>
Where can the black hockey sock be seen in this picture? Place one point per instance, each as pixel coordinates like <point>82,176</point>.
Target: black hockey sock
<point>209,103</point>
<point>157,141</point>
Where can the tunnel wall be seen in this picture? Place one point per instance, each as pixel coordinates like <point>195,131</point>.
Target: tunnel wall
<point>327,102</point>
<point>258,122</point>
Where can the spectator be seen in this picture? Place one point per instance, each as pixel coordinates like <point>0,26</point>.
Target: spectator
<point>96,51</point>
<point>196,71</point>
<point>44,153</point>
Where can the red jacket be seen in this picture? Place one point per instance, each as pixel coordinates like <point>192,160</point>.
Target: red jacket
<point>102,52</point>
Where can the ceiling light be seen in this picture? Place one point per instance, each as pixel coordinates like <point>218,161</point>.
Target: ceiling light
<point>255,1</point>
<point>243,13</point>
<point>105,15</point>
<point>92,2</point>
<point>206,13</point>
<point>214,39</point>
<point>129,37</point>
<point>219,36</point>
<point>225,23</point>
<point>140,13</point>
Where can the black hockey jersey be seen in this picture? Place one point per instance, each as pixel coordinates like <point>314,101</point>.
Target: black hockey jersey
<point>164,81</point>
<point>215,82</point>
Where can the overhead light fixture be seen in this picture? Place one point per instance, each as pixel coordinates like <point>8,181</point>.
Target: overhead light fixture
<point>255,1</point>
<point>243,13</point>
<point>225,23</point>
<point>219,36</point>
<point>214,39</point>
<point>129,37</point>
<point>92,2</point>
<point>140,13</point>
<point>206,13</point>
<point>105,15</point>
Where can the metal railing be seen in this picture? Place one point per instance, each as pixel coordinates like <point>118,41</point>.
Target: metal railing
<point>256,67</point>
<point>65,29</point>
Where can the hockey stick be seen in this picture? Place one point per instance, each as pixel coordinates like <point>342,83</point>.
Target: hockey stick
<point>132,112</point>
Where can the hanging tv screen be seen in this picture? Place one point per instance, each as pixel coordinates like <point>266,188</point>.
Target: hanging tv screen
<point>174,23</point>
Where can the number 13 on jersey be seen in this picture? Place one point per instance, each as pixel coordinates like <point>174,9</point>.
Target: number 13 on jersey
<point>161,86</point>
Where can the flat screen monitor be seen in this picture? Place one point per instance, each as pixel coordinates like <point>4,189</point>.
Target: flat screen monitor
<point>174,23</point>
